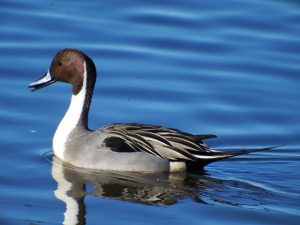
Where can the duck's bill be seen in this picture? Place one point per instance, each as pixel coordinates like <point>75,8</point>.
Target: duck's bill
<point>44,81</point>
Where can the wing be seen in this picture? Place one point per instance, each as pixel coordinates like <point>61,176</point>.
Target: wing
<point>163,142</point>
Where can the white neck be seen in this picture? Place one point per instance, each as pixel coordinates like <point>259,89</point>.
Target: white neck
<point>70,120</point>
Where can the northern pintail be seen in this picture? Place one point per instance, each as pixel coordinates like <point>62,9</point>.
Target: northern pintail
<point>123,147</point>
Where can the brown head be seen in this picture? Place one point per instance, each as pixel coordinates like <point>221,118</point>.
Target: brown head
<point>68,65</point>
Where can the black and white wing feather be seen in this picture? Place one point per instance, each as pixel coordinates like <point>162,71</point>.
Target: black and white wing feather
<point>163,142</point>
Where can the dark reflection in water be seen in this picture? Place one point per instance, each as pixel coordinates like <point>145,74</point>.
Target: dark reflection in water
<point>73,185</point>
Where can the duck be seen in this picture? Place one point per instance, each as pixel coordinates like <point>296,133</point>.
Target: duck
<point>120,146</point>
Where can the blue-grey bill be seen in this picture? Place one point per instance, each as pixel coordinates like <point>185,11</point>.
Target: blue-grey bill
<point>44,81</point>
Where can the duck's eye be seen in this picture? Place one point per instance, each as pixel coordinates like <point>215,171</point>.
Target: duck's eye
<point>59,62</point>
<point>59,59</point>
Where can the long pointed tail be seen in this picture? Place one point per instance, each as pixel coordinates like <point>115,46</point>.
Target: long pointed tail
<point>216,155</point>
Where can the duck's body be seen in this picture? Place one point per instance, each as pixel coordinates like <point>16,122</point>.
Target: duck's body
<point>124,147</point>
<point>131,147</point>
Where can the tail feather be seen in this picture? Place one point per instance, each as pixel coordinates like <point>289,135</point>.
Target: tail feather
<point>247,151</point>
<point>219,155</point>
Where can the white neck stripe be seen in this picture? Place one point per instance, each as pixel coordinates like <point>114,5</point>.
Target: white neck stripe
<point>70,120</point>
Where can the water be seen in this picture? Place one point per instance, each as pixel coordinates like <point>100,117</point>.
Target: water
<point>225,67</point>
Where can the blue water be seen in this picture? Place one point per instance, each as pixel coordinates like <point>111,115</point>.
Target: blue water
<point>231,68</point>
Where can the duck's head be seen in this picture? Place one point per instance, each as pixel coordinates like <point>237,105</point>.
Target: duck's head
<point>68,65</point>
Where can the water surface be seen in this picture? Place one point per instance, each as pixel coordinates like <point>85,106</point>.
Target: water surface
<point>225,67</point>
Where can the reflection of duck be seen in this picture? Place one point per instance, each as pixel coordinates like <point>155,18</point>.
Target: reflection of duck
<point>159,189</point>
<point>123,147</point>
<point>152,189</point>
